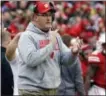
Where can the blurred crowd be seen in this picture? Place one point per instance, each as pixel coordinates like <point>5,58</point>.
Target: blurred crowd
<point>76,18</point>
<point>83,19</point>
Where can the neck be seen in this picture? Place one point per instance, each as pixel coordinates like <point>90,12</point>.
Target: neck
<point>38,26</point>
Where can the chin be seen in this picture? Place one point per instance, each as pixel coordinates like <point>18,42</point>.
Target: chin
<point>48,28</point>
<point>45,29</point>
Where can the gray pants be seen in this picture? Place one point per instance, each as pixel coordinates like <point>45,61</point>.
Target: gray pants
<point>48,92</point>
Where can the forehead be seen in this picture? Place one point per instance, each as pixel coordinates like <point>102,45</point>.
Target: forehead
<point>49,12</point>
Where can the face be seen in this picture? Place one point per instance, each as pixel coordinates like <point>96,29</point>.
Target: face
<point>44,21</point>
<point>23,4</point>
<point>92,41</point>
<point>7,16</point>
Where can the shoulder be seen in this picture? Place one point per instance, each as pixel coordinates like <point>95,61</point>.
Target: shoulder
<point>94,57</point>
<point>96,52</point>
<point>26,35</point>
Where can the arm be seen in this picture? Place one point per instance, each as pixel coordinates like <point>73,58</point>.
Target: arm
<point>30,54</point>
<point>68,55</point>
<point>11,48</point>
<point>79,84</point>
<point>90,73</point>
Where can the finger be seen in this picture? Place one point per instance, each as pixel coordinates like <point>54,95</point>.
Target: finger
<point>78,44</point>
<point>81,41</point>
<point>56,30</point>
<point>77,39</point>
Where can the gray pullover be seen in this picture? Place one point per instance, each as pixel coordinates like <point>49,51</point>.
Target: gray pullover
<point>40,66</point>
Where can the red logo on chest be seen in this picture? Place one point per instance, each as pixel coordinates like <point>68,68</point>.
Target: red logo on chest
<point>43,43</point>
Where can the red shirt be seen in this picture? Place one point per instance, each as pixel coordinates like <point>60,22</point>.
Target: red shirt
<point>84,66</point>
<point>98,58</point>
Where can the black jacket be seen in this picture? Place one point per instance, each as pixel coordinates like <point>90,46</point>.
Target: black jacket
<point>6,76</point>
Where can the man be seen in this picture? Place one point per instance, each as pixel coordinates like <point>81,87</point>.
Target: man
<point>72,81</point>
<point>84,54</point>
<point>7,83</point>
<point>97,71</point>
<point>41,51</point>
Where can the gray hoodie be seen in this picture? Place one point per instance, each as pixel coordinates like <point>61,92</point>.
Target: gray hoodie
<point>40,66</point>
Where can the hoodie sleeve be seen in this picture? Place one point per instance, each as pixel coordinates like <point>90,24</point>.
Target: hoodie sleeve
<point>30,54</point>
<point>66,54</point>
<point>79,84</point>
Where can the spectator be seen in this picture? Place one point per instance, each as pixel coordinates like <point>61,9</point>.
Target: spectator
<point>86,50</point>
<point>6,17</point>
<point>72,81</point>
<point>96,70</point>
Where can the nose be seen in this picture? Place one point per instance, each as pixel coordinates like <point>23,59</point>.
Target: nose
<point>48,18</point>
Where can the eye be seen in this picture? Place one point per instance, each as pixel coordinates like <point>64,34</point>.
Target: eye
<point>44,15</point>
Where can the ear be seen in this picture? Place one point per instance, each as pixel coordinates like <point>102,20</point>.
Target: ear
<point>35,17</point>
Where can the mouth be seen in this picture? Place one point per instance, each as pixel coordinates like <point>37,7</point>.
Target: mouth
<point>48,22</point>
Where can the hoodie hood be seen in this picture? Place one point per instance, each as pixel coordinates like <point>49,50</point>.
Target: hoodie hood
<point>31,27</point>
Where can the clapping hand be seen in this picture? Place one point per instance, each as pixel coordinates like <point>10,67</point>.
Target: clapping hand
<point>77,46</point>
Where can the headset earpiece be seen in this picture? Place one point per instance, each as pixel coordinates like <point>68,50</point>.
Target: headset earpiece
<point>35,9</point>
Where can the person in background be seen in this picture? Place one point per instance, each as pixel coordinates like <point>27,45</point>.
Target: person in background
<point>96,70</point>
<point>72,81</point>
<point>83,56</point>
<point>99,43</point>
<point>7,82</point>
<point>41,50</point>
